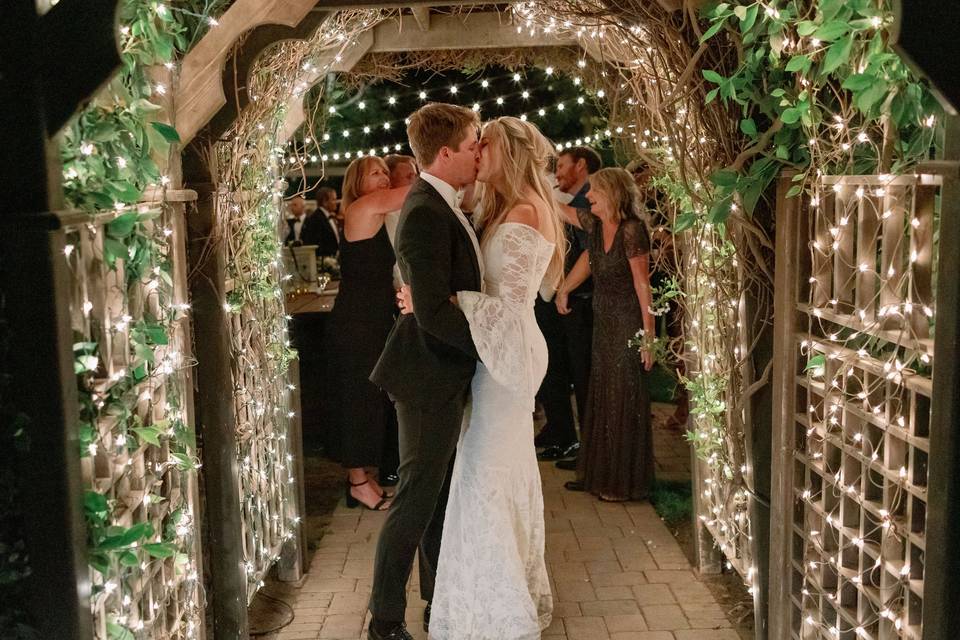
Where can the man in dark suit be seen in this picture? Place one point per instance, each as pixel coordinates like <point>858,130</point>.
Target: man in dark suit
<point>429,359</point>
<point>570,337</point>
<point>321,228</point>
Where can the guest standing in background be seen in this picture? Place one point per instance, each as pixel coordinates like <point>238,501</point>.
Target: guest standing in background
<point>360,413</point>
<point>297,209</point>
<point>403,169</point>
<point>569,338</point>
<point>327,232</point>
<point>616,457</point>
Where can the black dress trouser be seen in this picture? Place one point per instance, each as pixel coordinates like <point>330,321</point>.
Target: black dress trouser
<point>428,437</point>
<point>569,341</point>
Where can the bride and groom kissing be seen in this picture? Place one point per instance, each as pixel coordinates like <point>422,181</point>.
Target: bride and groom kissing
<point>463,364</point>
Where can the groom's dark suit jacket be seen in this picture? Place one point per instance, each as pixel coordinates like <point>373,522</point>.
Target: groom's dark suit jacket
<point>429,355</point>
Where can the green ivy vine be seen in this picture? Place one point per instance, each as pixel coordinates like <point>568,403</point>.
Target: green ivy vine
<point>818,88</point>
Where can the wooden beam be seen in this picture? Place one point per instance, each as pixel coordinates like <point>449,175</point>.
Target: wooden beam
<point>482,30</point>
<point>422,16</point>
<point>201,93</point>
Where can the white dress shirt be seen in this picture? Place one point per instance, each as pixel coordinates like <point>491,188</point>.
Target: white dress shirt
<point>452,197</point>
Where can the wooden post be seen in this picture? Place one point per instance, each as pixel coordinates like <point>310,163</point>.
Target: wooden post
<point>941,587</point>
<point>227,589</point>
<point>758,426</point>
<point>789,245</point>
<point>294,560</point>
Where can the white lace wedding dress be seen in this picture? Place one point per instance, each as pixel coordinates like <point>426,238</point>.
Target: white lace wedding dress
<point>491,577</point>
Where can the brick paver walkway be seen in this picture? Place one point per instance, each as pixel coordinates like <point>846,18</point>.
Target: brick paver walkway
<point>616,572</point>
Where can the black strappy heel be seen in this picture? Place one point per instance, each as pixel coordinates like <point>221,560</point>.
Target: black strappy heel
<point>353,503</point>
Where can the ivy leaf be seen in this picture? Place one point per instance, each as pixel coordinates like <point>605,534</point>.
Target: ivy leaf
<point>832,30</point>
<point>866,99</point>
<point>751,18</point>
<point>724,177</point>
<point>740,11</point>
<point>85,364</point>
<point>712,95</point>
<point>837,54</point>
<point>684,221</point>
<point>712,31</point>
<point>816,362</point>
<point>790,116</point>
<point>806,28</point>
<point>749,127</point>
<point>169,133</point>
<point>148,434</point>
<point>95,506</point>
<point>799,63</point>
<point>720,210</point>
<point>794,191</point>
<point>859,82</point>
<point>100,562</point>
<point>160,549</point>
<point>113,250</point>
<point>122,226</point>
<point>118,632</point>
<point>129,559</point>
<point>184,462</point>
<point>713,76</point>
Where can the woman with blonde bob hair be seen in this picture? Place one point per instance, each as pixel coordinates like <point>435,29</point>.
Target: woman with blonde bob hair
<point>361,424</point>
<point>491,574</point>
<point>616,450</point>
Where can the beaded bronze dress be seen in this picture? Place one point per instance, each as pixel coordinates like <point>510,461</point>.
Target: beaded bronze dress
<point>616,455</point>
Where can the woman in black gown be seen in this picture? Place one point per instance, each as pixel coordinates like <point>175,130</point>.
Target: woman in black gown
<point>616,450</point>
<point>363,314</point>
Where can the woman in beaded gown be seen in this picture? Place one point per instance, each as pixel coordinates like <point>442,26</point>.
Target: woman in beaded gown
<point>616,451</point>
<point>491,575</point>
<point>359,415</point>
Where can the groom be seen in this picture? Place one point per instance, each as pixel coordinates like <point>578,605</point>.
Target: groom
<point>429,358</point>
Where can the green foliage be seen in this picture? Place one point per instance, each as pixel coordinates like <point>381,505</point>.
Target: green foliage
<point>112,151</point>
<point>802,64</point>
<point>673,502</point>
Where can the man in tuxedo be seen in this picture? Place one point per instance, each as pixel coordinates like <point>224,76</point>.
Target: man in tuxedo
<point>429,359</point>
<point>322,227</point>
<point>570,337</point>
<point>297,217</point>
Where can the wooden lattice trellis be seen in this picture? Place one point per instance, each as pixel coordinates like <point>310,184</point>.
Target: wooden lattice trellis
<point>262,398</point>
<point>138,451</point>
<point>855,317</point>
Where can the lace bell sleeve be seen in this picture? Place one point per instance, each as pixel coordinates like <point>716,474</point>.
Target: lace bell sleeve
<point>636,240</point>
<point>497,321</point>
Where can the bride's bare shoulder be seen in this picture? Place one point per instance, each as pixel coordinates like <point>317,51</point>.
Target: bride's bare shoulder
<point>524,213</point>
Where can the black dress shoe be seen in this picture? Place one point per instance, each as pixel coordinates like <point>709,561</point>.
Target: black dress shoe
<point>426,618</point>
<point>554,452</point>
<point>567,465</point>
<point>398,632</point>
<point>572,450</point>
<point>574,485</point>
<point>389,480</point>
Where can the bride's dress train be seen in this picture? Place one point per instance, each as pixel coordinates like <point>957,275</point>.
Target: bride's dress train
<point>491,577</point>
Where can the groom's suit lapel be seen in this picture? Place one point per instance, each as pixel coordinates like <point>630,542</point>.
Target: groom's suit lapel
<point>429,191</point>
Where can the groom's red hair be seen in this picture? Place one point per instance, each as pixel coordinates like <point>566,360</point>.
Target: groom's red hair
<point>438,125</point>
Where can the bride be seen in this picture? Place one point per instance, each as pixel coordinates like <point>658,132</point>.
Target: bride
<point>491,576</point>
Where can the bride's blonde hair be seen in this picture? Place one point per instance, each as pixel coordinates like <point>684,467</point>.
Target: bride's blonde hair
<point>525,156</point>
